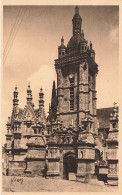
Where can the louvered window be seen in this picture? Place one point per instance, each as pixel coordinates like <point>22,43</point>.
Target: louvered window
<point>72,94</point>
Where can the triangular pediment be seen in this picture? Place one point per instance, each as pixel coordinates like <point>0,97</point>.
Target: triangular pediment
<point>28,114</point>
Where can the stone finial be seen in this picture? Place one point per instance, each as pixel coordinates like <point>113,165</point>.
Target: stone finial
<point>29,94</point>
<point>62,41</point>
<point>90,45</point>
<point>16,88</point>
<point>41,98</point>
<point>82,35</point>
<point>9,121</point>
<point>15,97</point>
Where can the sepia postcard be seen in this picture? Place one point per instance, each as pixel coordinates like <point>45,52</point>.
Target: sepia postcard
<point>60,96</point>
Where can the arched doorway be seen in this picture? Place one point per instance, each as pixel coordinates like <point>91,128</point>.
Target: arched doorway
<point>69,165</point>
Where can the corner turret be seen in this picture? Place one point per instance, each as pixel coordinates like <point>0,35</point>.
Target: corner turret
<point>62,49</point>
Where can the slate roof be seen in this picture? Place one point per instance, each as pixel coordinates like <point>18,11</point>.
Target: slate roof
<point>103,116</point>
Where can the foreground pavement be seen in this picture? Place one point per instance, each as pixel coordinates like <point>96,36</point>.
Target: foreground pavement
<point>38,184</point>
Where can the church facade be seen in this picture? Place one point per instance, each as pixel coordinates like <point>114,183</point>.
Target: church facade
<point>76,141</point>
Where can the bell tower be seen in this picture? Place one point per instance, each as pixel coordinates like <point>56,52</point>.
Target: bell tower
<point>76,79</point>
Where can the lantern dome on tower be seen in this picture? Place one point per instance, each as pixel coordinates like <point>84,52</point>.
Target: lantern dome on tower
<point>78,34</point>
<point>77,15</point>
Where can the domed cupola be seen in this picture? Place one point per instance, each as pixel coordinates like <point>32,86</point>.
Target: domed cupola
<point>77,43</point>
<point>74,41</point>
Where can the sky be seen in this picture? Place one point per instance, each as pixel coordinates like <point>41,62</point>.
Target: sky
<point>31,36</point>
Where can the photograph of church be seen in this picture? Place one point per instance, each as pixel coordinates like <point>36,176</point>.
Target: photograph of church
<point>76,141</point>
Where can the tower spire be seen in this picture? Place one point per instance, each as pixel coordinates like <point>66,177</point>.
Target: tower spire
<point>82,35</point>
<point>54,102</point>
<point>62,41</point>
<point>90,45</point>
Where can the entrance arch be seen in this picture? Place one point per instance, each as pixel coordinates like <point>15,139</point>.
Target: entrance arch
<point>69,165</point>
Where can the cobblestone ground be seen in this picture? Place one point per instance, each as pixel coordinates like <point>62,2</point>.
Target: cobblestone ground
<point>37,184</point>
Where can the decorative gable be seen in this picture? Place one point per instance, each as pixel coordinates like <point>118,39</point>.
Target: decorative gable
<point>28,114</point>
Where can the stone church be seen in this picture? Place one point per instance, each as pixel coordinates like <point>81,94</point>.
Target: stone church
<point>76,141</point>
